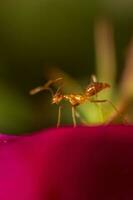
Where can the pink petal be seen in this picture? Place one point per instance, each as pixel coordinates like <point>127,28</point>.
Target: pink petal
<point>68,164</point>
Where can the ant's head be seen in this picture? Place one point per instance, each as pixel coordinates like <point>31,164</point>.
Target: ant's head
<point>57,98</point>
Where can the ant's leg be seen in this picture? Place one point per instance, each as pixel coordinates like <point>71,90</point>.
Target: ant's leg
<point>79,117</point>
<point>74,116</point>
<point>94,80</point>
<point>115,108</point>
<point>104,101</point>
<point>59,116</point>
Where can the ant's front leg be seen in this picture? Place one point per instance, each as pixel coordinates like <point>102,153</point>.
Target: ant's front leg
<point>74,116</point>
<point>59,116</point>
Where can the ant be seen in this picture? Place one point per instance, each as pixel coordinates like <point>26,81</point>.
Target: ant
<point>75,100</point>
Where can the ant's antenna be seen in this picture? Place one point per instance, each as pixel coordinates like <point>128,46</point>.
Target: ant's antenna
<point>58,91</point>
<point>39,89</point>
<point>46,86</point>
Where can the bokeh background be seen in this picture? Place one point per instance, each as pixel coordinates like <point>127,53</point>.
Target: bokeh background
<point>43,39</point>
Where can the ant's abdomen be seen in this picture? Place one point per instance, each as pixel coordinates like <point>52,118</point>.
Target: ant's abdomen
<point>94,88</point>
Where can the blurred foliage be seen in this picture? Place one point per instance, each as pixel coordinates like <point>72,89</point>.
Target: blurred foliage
<point>37,35</point>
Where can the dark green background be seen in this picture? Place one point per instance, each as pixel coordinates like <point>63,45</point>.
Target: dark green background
<point>37,34</point>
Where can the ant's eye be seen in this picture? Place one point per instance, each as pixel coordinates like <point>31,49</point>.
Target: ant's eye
<point>54,100</point>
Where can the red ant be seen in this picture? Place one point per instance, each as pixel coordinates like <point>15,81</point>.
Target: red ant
<point>74,99</point>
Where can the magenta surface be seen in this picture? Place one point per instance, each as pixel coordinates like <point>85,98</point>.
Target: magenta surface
<point>83,163</point>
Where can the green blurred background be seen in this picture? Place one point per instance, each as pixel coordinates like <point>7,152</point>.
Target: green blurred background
<point>37,36</point>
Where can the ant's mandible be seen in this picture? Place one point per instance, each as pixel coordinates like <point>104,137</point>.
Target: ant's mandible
<point>74,99</point>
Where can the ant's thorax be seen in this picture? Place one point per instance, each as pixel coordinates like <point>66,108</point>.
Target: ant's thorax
<point>75,99</point>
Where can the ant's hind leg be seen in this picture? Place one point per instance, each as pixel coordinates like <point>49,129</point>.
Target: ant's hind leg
<point>113,106</point>
<point>59,116</point>
<point>74,116</point>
